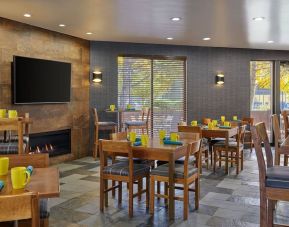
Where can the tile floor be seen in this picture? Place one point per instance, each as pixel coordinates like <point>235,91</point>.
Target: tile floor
<point>226,200</point>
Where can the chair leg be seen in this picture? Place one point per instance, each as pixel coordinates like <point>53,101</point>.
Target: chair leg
<point>270,213</point>
<point>220,160</point>
<point>211,153</point>
<point>263,209</point>
<point>285,160</point>
<point>186,201</point>
<point>237,159</point>
<point>197,193</point>
<point>106,194</point>
<point>231,159</point>
<point>119,192</point>
<point>139,188</point>
<point>113,190</point>
<point>158,189</point>
<point>166,191</point>
<point>101,199</point>
<point>207,158</point>
<point>215,161</point>
<point>152,195</point>
<point>251,143</point>
<point>130,199</point>
<point>147,191</point>
<point>242,160</point>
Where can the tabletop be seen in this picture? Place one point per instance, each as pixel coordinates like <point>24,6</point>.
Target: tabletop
<point>45,181</point>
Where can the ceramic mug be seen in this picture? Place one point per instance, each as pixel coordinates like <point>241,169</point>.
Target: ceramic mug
<point>194,123</point>
<point>12,114</point>
<point>211,125</point>
<point>4,165</point>
<point>132,137</point>
<point>162,134</point>
<point>20,177</point>
<point>112,107</point>
<point>128,106</point>
<point>215,122</point>
<point>174,136</point>
<point>2,113</point>
<point>223,118</point>
<point>227,124</point>
<point>235,118</point>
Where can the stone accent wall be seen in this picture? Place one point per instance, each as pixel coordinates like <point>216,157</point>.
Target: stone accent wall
<point>25,40</point>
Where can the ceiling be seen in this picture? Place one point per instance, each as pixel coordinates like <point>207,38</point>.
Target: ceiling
<point>229,23</point>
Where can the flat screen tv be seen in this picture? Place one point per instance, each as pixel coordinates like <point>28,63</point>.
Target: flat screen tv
<point>36,81</point>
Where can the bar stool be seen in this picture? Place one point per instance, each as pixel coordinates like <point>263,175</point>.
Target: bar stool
<point>101,125</point>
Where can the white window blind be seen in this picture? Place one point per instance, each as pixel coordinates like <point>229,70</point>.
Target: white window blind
<point>155,82</point>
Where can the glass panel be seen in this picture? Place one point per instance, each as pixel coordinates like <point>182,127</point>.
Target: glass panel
<point>261,92</point>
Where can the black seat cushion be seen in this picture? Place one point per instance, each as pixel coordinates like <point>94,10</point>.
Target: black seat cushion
<point>277,177</point>
<point>232,144</point>
<point>122,169</point>
<point>192,160</point>
<point>107,123</point>
<point>44,212</point>
<point>163,170</point>
<point>135,123</point>
<point>136,160</point>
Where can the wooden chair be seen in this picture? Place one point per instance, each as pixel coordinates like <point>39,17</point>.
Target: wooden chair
<point>284,114</point>
<point>8,146</point>
<point>37,161</point>
<point>235,151</point>
<point>143,124</point>
<point>206,121</point>
<point>185,174</point>
<point>121,172</point>
<point>273,180</point>
<point>20,207</point>
<point>248,134</point>
<point>205,143</point>
<point>101,125</point>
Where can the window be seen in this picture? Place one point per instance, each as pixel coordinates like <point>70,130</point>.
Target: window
<point>155,82</point>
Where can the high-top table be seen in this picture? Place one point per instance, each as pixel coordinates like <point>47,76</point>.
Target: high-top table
<point>44,181</point>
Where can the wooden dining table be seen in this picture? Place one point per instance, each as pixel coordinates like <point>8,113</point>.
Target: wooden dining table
<point>157,150</point>
<point>225,133</point>
<point>44,181</point>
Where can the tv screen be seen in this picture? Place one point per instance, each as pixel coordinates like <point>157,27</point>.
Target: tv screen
<point>40,81</point>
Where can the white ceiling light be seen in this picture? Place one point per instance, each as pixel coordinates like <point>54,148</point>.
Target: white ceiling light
<point>170,38</point>
<point>88,33</point>
<point>61,25</point>
<point>258,18</point>
<point>207,38</point>
<point>270,41</point>
<point>27,15</point>
<point>175,18</point>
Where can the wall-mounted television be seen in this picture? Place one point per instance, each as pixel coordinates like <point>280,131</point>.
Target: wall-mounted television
<point>36,81</point>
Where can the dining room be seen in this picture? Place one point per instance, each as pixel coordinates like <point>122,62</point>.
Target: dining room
<point>148,113</point>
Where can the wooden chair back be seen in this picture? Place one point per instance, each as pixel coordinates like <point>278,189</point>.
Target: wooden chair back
<point>19,207</point>
<point>259,135</point>
<point>241,134</point>
<point>284,114</point>
<point>118,136</point>
<point>248,120</point>
<point>35,160</point>
<point>95,116</point>
<point>193,148</point>
<point>194,129</point>
<point>276,130</point>
<point>206,121</point>
<point>13,125</point>
<point>146,113</point>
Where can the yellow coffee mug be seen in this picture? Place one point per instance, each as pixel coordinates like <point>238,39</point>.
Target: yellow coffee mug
<point>215,122</point>
<point>143,139</point>
<point>128,106</point>
<point>235,118</point>
<point>112,107</point>
<point>174,136</point>
<point>12,114</point>
<point>227,124</point>
<point>20,177</point>
<point>194,123</point>
<point>162,134</point>
<point>4,165</point>
<point>132,137</point>
<point>211,125</point>
<point>2,113</point>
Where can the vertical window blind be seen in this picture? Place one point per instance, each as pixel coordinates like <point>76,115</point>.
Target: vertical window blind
<point>155,82</point>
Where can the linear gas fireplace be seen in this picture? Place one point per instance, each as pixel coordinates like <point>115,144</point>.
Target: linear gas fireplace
<point>55,143</point>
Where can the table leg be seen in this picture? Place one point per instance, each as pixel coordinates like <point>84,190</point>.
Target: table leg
<point>119,116</point>
<point>227,156</point>
<point>171,186</point>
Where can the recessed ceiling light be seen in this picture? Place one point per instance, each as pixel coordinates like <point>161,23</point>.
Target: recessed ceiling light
<point>61,25</point>
<point>270,41</point>
<point>27,15</point>
<point>258,18</point>
<point>88,33</point>
<point>175,18</point>
<point>207,38</point>
<point>170,38</point>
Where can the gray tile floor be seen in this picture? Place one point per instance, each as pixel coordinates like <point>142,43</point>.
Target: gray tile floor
<point>226,200</point>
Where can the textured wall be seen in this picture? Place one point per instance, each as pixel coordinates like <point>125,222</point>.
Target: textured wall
<point>204,97</point>
<point>29,41</point>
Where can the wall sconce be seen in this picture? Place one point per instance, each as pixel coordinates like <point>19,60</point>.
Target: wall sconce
<point>97,77</point>
<point>220,79</point>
